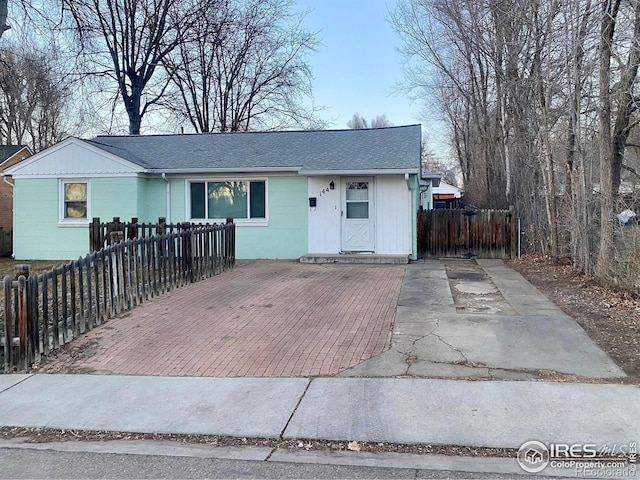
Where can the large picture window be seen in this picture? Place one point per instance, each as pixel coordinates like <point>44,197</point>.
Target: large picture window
<point>74,206</point>
<point>239,199</point>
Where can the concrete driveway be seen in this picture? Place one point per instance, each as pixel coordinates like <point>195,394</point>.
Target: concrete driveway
<point>482,319</point>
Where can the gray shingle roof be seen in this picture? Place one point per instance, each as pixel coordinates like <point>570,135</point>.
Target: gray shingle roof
<point>373,149</point>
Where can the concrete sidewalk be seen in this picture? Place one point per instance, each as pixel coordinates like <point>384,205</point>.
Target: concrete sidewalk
<point>448,412</point>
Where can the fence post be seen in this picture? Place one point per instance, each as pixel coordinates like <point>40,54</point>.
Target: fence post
<point>161,227</point>
<point>512,232</point>
<point>21,273</point>
<point>94,234</point>
<point>22,321</point>
<point>228,243</point>
<point>33,324</point>
<point>132,231</point>
<point>8,321</point>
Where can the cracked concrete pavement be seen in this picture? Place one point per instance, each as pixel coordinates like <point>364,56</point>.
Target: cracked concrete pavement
<point>481,319</point>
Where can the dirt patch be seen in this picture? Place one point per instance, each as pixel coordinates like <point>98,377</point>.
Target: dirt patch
<point>473,291</point>
<point>611,318</point>
<point>44,435</point>
<point>69,357</point>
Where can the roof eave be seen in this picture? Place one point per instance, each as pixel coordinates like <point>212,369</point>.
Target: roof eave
<point>373,171</point>
<point>182,171</point>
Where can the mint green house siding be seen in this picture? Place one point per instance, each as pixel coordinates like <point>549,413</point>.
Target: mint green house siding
<point>152,202</point>
<point>38,233</point>
<point>286,235</point>
<point>178,200</point>
<point>115,197</point>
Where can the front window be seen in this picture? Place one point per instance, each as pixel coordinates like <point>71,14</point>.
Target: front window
<point>75,201</point>
<point>241,199</point>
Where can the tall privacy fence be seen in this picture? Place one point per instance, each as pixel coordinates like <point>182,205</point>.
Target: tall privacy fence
<point>6,243</point>
<point>467,233</point>
<point>42,312</point>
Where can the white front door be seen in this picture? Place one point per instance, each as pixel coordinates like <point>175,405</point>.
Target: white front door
<point>357,215</point>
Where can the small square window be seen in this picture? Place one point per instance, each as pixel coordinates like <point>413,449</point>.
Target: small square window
<point>75,201</point>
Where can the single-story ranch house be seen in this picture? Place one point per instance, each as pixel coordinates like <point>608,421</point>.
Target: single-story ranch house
<point>290,193</point>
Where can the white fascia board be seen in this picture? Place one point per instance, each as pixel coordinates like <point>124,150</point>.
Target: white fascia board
<point>132,167</point>
<point>80,175</point>
<point>381,171</point>
<point>215,171</point>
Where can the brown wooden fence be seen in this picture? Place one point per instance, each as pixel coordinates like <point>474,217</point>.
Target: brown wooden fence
<point>48,310</point>
<point>100,232</point>
<point>467,233</point>
<point>6,243</point>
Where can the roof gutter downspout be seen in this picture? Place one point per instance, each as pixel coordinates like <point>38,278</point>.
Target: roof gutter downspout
<point>168,195</point>
<point>412,220</point>
<point>4,177</point>
<point>13,215</point>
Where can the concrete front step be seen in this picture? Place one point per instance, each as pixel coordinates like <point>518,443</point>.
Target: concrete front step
<point>355,258</point>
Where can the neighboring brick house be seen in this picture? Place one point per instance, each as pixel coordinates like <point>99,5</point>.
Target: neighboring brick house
<point>9,156</point>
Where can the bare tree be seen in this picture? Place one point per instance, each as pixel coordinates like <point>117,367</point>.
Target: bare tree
<point>612,142</point>
<point>246,67</point>
<point>357,122</point>
<point>380,121</point>
<point>517,81</point>
<point>33,97</point>
<point>127,41</point>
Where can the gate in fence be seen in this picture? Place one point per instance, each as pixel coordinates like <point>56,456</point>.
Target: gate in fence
<point>467,233</point>
<point>42,312</point>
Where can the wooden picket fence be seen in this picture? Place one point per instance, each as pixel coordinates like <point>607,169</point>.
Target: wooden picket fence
<point>467,233</point>
<point>46,311</point>
<point>100,232</point>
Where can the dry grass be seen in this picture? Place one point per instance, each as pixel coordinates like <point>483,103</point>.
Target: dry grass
<point>6,268</point>
<point>37,266</point>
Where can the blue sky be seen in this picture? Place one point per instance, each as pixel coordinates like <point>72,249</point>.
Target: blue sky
<point>357,66</point>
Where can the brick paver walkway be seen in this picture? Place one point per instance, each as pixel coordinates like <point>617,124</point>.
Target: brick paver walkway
<point>263,318</point>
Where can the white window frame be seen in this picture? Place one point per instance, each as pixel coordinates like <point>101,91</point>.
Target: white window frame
<point>243,222</point>
<point>73,222</point>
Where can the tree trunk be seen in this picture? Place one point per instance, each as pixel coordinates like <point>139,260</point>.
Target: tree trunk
<point>3,17</point>
<point>132,103</point>
<point>626,107</point>
<point>604,265</point>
